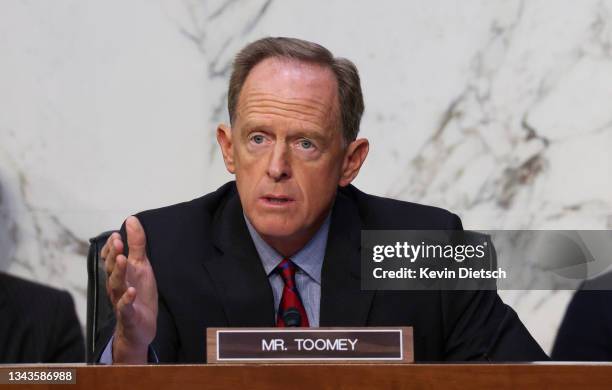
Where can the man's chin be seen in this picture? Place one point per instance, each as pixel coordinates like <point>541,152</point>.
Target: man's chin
<point>279,228</point>
<point>275,232</point>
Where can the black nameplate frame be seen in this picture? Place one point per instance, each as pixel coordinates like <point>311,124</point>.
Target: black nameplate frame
<point>310,345</point>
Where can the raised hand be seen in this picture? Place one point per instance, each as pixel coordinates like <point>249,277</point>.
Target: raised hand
<point>132,290</point>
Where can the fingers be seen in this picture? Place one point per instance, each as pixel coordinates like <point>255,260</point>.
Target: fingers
<point>117,283</point>
<point>125,305</point>
<point>107,245</point>
<point>136,239</point>
<point>113,246</point>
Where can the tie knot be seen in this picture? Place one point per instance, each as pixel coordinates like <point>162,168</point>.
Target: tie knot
<point>287,269</point>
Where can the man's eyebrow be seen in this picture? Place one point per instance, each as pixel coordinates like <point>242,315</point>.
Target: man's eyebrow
<point>255,125</point>
<point>314,134</point>
<point>250,127</point>
<point>308,133</point>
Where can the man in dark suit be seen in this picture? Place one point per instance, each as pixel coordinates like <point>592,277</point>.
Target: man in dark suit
<point>286,234</point>
<point>38,324</point>
<point>584,333</point>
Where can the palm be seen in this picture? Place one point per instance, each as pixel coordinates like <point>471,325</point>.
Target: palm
<point>132,287</point>
<point>144,316</point>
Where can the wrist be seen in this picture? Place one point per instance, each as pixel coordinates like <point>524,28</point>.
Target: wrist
<point>126,352</point>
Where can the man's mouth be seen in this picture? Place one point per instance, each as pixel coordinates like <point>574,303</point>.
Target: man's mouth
<point>277,200</point>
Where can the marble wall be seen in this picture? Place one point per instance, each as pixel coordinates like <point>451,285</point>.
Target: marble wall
<point>498,110</point>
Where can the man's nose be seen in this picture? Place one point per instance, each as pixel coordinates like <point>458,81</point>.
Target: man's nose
<point>279,167</point>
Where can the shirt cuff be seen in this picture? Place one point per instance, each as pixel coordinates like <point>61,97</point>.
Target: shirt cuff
<point>107,354</point>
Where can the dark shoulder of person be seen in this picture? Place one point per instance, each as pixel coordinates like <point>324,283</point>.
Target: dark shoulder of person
<point>390,214</point>
<point>39,324</point>
<point>585,333</point>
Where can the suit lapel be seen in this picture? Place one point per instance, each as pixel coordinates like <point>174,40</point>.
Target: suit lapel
<point>236,270</point>
<point>343,303</point>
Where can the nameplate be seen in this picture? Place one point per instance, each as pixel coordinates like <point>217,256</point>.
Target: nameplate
<point>310,345</point>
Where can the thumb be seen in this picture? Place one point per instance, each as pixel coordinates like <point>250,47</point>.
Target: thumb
<point>136,239</point>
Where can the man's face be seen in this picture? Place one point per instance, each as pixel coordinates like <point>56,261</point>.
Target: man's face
<point>286,148</point>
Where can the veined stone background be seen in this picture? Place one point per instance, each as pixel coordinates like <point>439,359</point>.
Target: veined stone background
<point>499,110</point>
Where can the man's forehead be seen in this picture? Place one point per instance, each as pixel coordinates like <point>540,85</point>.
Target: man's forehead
<point>304,88</point>
<point>291,79</point>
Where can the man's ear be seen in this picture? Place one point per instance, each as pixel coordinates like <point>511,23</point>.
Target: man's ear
<point>224,138</point>
<point>355,155</point>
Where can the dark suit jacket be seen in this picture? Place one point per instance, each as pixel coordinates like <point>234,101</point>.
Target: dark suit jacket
<point>209,275</point>
<point>38,324</point>
<point>585,333</point>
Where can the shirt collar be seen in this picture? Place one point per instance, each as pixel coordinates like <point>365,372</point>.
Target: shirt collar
<point>309,259</point>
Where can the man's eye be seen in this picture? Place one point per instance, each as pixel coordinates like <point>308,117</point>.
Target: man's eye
<point>305,144</point>
<point>258,139</point>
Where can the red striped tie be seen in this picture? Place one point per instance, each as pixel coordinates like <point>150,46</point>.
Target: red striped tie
<point>291,311</point>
